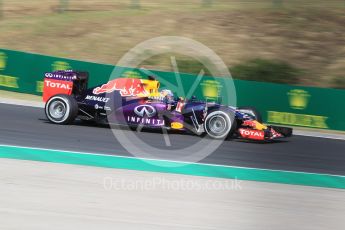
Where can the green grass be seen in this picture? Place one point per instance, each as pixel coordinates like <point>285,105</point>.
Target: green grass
<point>20,96</point>
<point>308,35</point>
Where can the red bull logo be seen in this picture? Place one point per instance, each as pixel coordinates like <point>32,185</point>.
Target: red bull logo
<point>249,123</point>
<point>254,124</point>
<point>126,86</point>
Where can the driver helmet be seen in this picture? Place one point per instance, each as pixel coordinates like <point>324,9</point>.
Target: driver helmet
<point>167,93</point>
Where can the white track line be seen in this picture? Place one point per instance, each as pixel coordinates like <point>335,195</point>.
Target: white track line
<point>168,161</point>
<point>319,135</point>
<point>20,102</point>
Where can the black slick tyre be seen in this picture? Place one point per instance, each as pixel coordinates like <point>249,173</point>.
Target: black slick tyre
<point>61,109</point>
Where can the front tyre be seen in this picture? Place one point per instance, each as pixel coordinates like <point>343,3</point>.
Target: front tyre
<point>61,109</point>
<point>219,124</point>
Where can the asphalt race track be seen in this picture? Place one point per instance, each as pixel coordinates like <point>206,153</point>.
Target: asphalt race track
<point>27,126</point>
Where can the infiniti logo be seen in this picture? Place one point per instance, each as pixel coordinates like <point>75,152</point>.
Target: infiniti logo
<point>145,111</point>
<point>48,75</point>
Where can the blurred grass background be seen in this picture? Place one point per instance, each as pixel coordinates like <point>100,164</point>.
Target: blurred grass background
<point>285,41</point>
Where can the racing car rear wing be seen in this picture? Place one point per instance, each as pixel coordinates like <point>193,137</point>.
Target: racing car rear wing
<point>64,82</point>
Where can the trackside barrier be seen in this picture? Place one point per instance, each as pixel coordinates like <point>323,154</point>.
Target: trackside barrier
<point>280,104</point>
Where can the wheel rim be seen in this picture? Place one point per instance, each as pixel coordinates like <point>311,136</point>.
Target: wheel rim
<point>57,110</point>
<point>217,125</point>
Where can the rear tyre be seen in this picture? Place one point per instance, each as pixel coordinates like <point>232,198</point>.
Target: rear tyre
<point>219,124</point>
<point>253,111</point>
<point>61,109</point>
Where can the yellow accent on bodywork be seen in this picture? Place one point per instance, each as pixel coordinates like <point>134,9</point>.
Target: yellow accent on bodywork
<point>260,126</point>
<point>151,86</point>
<point>176,125</point>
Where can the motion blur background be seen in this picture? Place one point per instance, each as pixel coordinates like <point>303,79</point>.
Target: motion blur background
<point>297,42</point>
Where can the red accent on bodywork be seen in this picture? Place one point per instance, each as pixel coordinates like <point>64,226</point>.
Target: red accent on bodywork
<point>180,106</point>
<point>53,87</point>
<point>275,134</point>
<point>252,134</point>
<point>249,123</point>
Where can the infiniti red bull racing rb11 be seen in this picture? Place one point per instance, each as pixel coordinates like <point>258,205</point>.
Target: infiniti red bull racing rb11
<point>139,102</point>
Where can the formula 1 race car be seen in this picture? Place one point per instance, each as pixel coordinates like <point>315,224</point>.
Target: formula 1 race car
<point>139,102</point>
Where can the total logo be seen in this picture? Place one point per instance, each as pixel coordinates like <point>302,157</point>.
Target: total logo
<point>145,111</point>
<point>99,99</point>
<point>58,85</point>
<point>252,133</point>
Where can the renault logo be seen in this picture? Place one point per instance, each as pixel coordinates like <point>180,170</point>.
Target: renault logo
<point>145,111</point>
